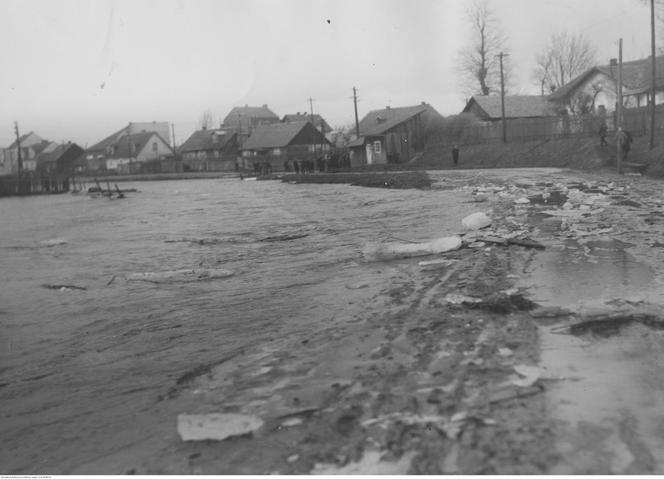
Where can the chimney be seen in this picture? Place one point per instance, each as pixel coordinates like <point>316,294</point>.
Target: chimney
<point>424,103</point>
<point>264,105</point>
<point>387,107</point>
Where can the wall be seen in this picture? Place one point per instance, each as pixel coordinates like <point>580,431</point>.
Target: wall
<point>147,153</point>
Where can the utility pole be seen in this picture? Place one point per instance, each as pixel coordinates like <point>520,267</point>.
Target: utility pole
<point>653,79</point>
<point>173,135</point>
<point>619,130</point>
<point>502,95</point>
<point>19,162</point>
<point>357,122</point>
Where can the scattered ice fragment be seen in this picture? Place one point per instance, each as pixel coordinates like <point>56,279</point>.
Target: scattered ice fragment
<point>476,221</point>
<point>199,427</point>
<point>385,251</point>
<point>180,275</point>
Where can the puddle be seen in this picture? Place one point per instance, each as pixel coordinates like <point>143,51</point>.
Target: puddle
<point>610,401</point>
<point>573,275</point>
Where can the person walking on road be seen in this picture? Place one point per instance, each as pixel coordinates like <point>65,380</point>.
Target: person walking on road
<point>602,134</point>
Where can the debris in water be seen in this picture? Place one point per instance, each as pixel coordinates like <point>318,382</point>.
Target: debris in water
<point>522,201</point>
<point>285,237</point>
<point>530,375</point>
<point>53,242</point>
<point>386,251</point>
<point>215,426</point>
<point>454,298</point>
<point>370,463</point>
<point>294,421</point>
<point>476,221</point>
<point>180,275</point>
<point>64,287</point>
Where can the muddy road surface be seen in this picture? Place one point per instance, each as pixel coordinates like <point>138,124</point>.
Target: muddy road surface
<point>227,327</point>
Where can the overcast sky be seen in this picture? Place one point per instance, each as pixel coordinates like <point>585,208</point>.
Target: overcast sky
<point>80,69</point>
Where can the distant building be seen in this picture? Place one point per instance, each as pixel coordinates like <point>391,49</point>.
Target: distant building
<point>596,89</point>
<point>31,145</point>
<point>245,119</point>
<point>317,120</point>
<point>281,142</point>
<point>489,107</point>
<point>129,149</point>
<point>210,150</point>
<point>392,135</point>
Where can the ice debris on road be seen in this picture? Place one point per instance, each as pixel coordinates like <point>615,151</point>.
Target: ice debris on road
<point>216,426</point>
<point>180,275</point>
<point>386,251</point>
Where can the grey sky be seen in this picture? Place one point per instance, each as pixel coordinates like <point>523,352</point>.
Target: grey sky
<point>80,69</point>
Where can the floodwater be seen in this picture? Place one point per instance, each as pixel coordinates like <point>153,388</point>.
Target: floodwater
<point>86,356</point>
<point>608,391</point>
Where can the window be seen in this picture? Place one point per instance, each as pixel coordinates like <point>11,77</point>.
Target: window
<point>377,147</point>
<point>155,147</point>
<point>276,152</point>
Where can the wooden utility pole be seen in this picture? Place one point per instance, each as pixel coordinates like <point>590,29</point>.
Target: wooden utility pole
<point>619,130</point>
<point>653,79</point>
<point>19,161</point>
<point>502,96</point>
<point>357,122</point>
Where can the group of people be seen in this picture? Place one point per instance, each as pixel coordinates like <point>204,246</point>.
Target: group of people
<point>623,137</point>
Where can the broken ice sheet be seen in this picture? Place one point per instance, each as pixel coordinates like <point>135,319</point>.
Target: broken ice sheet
<point>216,426</point>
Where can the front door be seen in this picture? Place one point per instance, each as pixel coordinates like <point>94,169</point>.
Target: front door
<point>370,158</point>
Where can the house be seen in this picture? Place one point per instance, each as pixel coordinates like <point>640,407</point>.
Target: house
<point>131,148</point>
<point>281,142</point>
<point>31,145</point>
<point>595,90</point>
<point>56,165</point>
<point>392,135</point>
<point>210,150</point>
<point>245,119</point>
<point>317,120</point>
<point>489,108</point>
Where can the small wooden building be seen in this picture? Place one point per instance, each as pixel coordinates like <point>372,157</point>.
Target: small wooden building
<point>281,142</point>
<point>392,135</point>
<point>210,150</point>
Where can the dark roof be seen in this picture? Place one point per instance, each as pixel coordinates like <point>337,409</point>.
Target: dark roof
<point>109,140</point>
<point>123,145</point>
<point>241,112</point>
<point>636,76</point>
<point>516,106</point>
<point>55,151</point>
<point>377,122</point>
<point>276,135</point>
<point>202,140</point>
<point>317,119</point>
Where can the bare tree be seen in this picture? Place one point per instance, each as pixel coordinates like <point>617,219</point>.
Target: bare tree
<point>479,65</point>
<point>207,120</point>
<point>565,56</point>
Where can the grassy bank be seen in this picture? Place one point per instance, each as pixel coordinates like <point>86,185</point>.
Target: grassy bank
<point>581,153</point>
<point>396,180</point>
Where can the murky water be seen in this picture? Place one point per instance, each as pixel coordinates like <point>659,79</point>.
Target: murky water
<point>82,369</point>
<point>609,393</point>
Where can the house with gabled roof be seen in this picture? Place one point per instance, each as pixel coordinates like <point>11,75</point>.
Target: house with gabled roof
<point>130,148</point>
<point>245,119</point>
<point>317,120</point>
<point>596,88</point>
<point>281,142</point>
<point>31,145</point>
<point>392,134</point>
<point>489,107</point>
<point>210,150</point>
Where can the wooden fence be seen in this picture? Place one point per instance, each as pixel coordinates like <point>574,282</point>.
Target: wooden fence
<point>635,120</point>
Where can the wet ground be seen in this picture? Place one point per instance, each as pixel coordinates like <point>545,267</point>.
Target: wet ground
<point>503,358</point>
